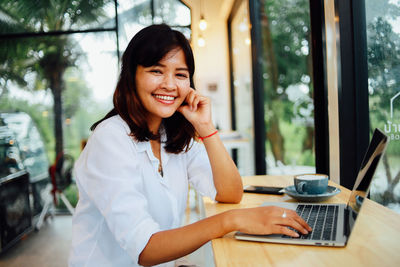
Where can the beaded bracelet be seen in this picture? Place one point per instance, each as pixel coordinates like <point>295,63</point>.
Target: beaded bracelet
<point>202,138</point>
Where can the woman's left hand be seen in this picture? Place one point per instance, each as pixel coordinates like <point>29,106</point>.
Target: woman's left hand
<point>198,112</point>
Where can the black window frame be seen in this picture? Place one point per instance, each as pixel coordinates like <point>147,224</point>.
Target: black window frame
<point>354,126</point>
<point>321,120</point>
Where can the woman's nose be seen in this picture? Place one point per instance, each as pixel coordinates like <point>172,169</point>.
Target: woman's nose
<point>169,82</point>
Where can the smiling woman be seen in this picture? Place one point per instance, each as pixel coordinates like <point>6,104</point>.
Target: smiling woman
<point>134,172</point>
<point>162,88</point>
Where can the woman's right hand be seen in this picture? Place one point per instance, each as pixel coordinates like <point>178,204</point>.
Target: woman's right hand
<point>269,220</point>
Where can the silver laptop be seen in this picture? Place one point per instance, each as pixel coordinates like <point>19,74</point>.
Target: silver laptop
<point>331,223</point>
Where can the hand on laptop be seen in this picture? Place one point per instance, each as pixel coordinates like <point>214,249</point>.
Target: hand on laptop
<point>270,220</point>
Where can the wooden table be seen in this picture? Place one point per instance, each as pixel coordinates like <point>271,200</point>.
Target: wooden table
<point>374,241</point>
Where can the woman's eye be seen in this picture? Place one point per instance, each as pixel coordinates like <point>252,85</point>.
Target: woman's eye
<point>156,71</point>
<point>182,75</point>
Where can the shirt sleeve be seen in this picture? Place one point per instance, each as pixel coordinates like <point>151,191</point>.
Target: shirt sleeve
<point>199,171</point>
<point>110,175</point>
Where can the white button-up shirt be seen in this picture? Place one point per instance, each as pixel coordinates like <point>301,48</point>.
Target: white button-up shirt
<point>123,200</point>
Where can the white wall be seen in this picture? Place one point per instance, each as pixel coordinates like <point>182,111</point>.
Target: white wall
<point>332,77</point>
<point>212,60</point>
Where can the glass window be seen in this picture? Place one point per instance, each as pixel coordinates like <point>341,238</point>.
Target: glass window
<point>10,160</point>
<point>31,148</point>
<point>383,40</point>
<point>243,86</point>
<point>132,17</point>
<point>171,12</point>
<point>289,119</point>
<point>39,16</point>
<point>86,73</point>
<point>89,86</point>
<point>137,14</point>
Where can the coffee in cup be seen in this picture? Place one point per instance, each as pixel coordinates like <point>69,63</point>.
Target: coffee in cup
<point>312,184</point>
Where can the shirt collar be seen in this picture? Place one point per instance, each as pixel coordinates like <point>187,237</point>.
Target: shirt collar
<point>141,146</point>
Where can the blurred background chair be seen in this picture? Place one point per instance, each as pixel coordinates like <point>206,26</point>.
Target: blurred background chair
<point>61,178</point>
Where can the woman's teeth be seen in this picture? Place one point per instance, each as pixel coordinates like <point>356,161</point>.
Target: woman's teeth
<point>164,97</point>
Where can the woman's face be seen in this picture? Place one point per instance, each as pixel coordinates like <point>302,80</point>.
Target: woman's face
<point>162,88</point>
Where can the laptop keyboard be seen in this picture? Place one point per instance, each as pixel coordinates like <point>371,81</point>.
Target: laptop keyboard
<point>321,218</point>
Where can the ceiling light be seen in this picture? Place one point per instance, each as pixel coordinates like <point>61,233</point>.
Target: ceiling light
<point>202,23</point>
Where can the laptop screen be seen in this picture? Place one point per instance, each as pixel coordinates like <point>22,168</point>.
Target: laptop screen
<point>368,166</point>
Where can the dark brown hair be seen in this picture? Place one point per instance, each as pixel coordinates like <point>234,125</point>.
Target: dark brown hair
<point>146,49</point>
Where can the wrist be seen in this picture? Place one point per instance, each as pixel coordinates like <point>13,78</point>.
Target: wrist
<point>205,129</point>
<point>230,221</point>
<point>207,136</point>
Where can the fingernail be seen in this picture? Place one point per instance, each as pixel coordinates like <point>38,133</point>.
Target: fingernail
<point>296,234</point>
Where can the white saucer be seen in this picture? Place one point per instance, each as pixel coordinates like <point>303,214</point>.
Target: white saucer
<point>330,192</point>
